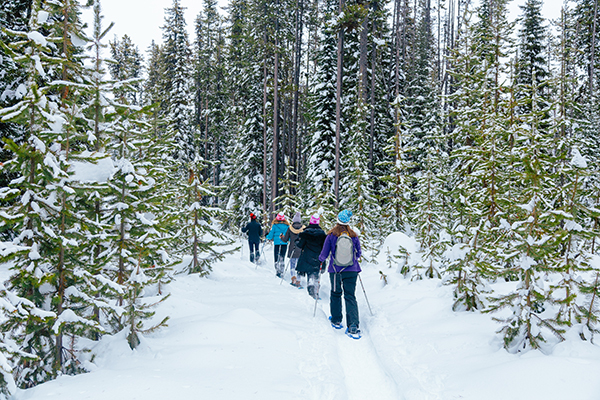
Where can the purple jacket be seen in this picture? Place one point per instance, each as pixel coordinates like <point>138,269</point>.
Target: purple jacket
<point>329,251</point>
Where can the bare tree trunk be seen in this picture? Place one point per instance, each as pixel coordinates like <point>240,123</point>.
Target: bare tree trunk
<point>362,62</point>
<point>297,60</point>
<point>338,107</point>
<point>372,120</point>
<point>264,205</point>
<point>274,169</point>
<point>593,55</point>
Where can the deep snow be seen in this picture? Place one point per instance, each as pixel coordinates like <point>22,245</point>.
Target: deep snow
<point>240,334</point>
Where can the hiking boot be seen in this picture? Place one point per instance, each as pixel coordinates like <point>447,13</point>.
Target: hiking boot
<point>336,325</point>
<point>353,330</point>
<point>295,282</point>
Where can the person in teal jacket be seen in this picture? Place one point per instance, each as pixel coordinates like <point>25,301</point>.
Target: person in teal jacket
<point>278,228</point>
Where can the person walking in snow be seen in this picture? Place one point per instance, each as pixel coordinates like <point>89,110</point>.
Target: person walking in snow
<point>278,229</point>
<point>342,247</point>
<point>255,232</point>
<point>311,240</point>
<point>291,235</point>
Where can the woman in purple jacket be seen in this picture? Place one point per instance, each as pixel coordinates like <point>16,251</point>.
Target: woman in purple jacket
<point>343,277</point>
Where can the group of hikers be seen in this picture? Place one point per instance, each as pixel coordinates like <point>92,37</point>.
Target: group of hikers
<point>308,248</point>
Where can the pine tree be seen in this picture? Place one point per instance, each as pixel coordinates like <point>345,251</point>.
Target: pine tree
<point>481,151</point>
<point>576,224</point>
<point>246,171</point>
<point>317,188</point>
<point>210,89</point>
<point>397,181</point>
<point>177,81</point>
<point>126,66</point>
<point>531,57</point>
<point>287,202</point>
<point>51,230</point>
<point>534,246</point>
<point>13,16</point>
<point>133,207</point>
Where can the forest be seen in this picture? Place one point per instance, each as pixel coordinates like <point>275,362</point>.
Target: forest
<point>476,135</point>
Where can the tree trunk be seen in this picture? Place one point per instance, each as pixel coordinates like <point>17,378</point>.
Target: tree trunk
<point>297,60</point>
<point>338,107</point>
<point>372,119</point>
<point>274,170</point>
<point>593,55</point>
<point>264,205</point>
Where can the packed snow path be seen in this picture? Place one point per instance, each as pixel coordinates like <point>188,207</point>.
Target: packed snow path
<point>240,334</point>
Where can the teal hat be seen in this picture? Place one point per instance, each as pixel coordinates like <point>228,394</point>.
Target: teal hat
<point>344,217</point>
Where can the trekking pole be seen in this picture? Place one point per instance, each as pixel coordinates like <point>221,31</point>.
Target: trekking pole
<point>366,298</point>
<point>285,269</point>
<point>317,295</point>
<point>260,255</point>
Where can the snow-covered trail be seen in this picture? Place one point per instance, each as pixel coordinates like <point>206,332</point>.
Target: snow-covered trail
<point>240,334</point>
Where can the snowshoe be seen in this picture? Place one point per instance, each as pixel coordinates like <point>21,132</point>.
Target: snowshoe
<point>353,332</point>
<point>336,326</point>
<point>296,282</point>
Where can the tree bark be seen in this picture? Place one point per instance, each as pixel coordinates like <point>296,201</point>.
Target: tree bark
<point>275,113</point>
<point>297,60</point>
<point>338,107</point>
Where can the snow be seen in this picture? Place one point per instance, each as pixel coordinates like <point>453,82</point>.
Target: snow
<point>578,160</point>
<point>43,17</point>
<point>88,172</point>
<point>37,37</point>
<point>240,334</point>
<point>38,65</point>
<point>77,41</point>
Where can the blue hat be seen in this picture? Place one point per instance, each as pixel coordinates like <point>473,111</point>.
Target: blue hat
<point>344,217</point>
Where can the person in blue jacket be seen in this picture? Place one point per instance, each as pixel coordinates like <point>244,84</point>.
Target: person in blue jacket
<point>343,278</point>
<point>254,231</point>
<point>278,229</point>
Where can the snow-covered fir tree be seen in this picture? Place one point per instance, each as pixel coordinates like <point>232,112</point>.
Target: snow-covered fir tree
<point>133,210</point>
<point>210,88</point>
<point>481,144</point>
<point>50,229</point>
<point>317,188</point>
<point>177,82</point>
<point>126,65</point>
<point>13,16</point>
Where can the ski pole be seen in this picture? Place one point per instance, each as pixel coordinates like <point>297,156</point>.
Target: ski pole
<point>366,298</point>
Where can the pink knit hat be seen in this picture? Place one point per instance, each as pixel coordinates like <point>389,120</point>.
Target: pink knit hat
<point>315,219</point>
<point>280,217</point>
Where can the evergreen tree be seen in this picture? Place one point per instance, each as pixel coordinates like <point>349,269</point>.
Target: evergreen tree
<point>317,187</point>
<point>51,230</point>
<point>534,246</point>
<point>210,88</point>
<point>481,148</point>
<point>177,82</point>
<point>532,59</point>
<point>245,173</point>
<point>13,16</point>
<point>126,65</point>
<point>133,207</point>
